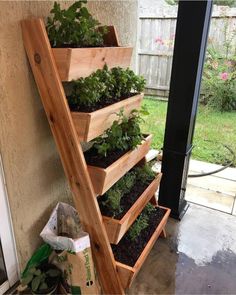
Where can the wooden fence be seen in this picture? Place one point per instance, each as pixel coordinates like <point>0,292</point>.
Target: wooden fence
<point>156,42</point>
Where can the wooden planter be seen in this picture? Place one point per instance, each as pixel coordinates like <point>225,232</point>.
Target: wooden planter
<point>103,178</point>
<point>128,273</point>
<point>117,228</point>
<point>73,63</point>
<point>90,125</point>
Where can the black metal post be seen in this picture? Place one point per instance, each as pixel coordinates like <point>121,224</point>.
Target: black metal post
<point>189,52</point>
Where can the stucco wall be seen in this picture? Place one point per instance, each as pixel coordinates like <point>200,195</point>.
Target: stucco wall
<point>34,175</point>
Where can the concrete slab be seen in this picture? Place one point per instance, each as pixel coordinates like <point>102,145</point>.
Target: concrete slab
<point>234,208</point>
<point>198,257</point>
<point>208,198</point>
<point>214,183</point>
<point>200,167</point>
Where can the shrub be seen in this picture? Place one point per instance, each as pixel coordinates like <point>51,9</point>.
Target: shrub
<point>74,27</point>
<point>219,82</point>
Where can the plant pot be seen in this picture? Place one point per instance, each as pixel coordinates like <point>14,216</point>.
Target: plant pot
<point>103,178</point>
<point>51,290</point>
<point>73,63</point>
<point>128,273</point>
<point>117,228</point>
<point>90,125</point>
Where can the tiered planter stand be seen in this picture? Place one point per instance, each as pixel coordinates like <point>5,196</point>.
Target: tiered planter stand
<point>50,67</point>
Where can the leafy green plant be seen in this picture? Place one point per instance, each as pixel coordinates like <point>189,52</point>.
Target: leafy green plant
<point>126,81</point>
<point>124,134</point>
<point>74,27</point>
<point>36,279</point>
<point>144,174</point>
<point>141,222</point>
<point>105,85</point>
<point>219,76</point>
<point>113,195</point>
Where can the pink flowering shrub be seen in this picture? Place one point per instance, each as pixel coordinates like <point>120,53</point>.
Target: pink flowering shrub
<point>219,81</point>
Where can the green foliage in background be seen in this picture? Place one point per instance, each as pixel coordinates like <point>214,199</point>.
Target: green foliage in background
<point>212,128</point>
<point>74,27</point>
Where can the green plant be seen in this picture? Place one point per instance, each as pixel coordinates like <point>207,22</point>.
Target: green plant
<point>124,134</point>
<point>74,27</point>
<point>105,85</point>
<point>113,195</point>
<point>36,279</point>
<point>219,77</point>
<point>144,174</point>
<point>86,91</point>
<point>141,222</point>
<point>126,81</point>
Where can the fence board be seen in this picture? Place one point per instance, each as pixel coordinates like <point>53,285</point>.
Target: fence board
<point>155,48</point>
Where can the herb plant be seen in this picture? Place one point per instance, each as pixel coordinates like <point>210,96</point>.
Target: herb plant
<point>113,196</point>
<point>141,222</point>
<point>104,86</point>
<point>144,174</point>
<point>74,27</point>
<point>124,134</point>
<point>36,279</point>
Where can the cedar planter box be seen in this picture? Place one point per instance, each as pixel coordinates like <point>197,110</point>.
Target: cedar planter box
<point>128,273</point>
<point>103,178</point>
<point>73,63</point>
<point>117,228</point>
<point>90,125</point>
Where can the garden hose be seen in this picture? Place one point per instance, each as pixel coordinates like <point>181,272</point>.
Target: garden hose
<point>220,169</point>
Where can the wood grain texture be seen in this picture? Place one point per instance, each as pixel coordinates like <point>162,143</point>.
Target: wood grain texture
<point>104,178</point>
<point>73,63</point>
<point>117,228</point>
<point>128,273</point>
<point>54,101</point>
<point>90,125</point>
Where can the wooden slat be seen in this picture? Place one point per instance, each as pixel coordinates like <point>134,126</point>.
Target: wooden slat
<point>104,178</point>
<point>53,98</point>
<point>91,125</point>
<point>84,61</point>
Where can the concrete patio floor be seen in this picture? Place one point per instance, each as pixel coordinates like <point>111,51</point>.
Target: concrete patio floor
<point>198,256</point>
<point>216,191</point>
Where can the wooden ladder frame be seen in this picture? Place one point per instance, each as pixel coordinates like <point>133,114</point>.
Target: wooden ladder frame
<point>53,97</point>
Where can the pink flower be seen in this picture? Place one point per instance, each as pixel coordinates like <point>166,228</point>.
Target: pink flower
<point>159,40</point>
<point>224,76</point>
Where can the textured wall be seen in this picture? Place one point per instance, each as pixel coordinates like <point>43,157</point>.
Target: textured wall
<point>34,175</point>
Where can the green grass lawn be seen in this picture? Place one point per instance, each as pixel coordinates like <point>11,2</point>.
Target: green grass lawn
<point>212,129</point>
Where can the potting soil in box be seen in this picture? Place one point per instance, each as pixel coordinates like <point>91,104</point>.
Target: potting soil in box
<point>128,251</point>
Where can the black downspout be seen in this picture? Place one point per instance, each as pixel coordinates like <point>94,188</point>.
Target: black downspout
<point>192,29</point>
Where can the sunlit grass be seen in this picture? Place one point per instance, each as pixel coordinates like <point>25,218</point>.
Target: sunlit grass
<point>212,130</point>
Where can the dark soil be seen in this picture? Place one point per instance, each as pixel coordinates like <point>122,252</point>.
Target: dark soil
<point>127,200</point>
<point>127,251</point>
<point>94,159</point>
<point>100,105</point>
